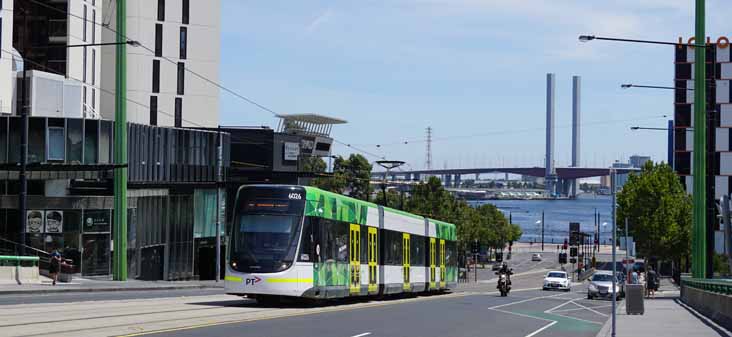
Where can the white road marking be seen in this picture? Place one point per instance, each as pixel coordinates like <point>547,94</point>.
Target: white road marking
<point>541,329</point>
<point>557,307</point>
<point>590,309</point>
<point>578,309</point>
<point>522,315</point>
<point>363,334</point>
<point>526,300</point>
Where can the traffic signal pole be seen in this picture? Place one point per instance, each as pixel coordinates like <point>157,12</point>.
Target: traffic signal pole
<point>119,271</point>
<point>699,229</point>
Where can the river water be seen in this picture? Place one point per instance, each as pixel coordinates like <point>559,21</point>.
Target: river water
<point>557,216</point>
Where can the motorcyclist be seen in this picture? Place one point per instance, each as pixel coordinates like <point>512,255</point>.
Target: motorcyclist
<point>505,271</point>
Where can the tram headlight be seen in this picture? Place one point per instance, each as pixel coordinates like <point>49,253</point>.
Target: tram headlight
<point>233,264</point>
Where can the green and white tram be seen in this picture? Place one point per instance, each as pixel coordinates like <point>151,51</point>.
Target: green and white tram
<point>301,241</point>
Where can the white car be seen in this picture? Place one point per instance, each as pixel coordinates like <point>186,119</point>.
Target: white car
<point>536,257</point>
<point>557,280</point>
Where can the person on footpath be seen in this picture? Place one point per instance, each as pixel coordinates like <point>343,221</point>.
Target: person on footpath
<point>55,265</point>
<point>652,280</point>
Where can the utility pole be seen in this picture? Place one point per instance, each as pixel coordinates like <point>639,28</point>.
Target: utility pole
<point>627,248</point>
<point>542,231</point>
<point>699,169</point>
<point>727,229</point>
<point>613,179</point>
<point>120,148</point>
<point>23,179</point>
<point>219,176</point>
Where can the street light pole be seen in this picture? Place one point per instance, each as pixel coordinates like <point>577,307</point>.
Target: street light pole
<point>22,178</point>
<point>542,231</point>
<point>388,165</point>
<point>699,244</point>
<point>120,147</point>
<point>613,178</point>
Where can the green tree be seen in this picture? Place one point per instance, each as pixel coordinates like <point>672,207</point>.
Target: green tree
<point>658,211</point>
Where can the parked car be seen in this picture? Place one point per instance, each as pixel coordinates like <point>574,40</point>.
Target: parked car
<point>557,280</point>
<point>601,285</point>
<point>496,266</point>
<point>536,257</point>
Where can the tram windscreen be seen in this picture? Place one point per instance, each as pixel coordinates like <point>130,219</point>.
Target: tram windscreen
<point>265,233</point>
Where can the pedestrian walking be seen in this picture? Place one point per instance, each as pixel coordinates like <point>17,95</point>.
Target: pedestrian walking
<point>55,265</point>
<point>652,282</point>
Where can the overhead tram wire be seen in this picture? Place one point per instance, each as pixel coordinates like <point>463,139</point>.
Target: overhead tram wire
<point>218,85</point>
<point>500,132</point>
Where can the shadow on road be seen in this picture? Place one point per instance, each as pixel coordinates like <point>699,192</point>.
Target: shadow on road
<point>284,302</point>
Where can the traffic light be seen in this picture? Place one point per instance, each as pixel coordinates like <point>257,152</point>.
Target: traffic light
<point>573,251</point>
<point>476,247</point>
<point>499,256</point>
<point>565,244</point>
<point>562,258</point>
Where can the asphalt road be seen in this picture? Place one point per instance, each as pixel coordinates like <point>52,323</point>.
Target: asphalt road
<point>522,313</point>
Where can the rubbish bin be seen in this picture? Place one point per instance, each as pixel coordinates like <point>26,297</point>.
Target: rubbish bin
<point>634,299</point>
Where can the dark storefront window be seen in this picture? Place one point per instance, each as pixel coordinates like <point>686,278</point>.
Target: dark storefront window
<point>36,140</point>
<point>14,156</point>
<point>91,148</point>
<point>74,140</point>
<point>96,254</point>
<point>3,139</point>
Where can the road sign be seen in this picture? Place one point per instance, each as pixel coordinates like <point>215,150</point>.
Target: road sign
<point>573,251</point>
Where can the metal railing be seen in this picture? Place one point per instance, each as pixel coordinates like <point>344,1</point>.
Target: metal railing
<point>712,285</point>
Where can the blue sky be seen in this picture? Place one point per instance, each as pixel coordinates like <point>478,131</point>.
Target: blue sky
<point>472,70</point>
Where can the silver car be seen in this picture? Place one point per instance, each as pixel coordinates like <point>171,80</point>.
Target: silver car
<point>601,285</point>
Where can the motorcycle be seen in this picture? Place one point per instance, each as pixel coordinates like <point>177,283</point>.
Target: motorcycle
<point>504,287</point>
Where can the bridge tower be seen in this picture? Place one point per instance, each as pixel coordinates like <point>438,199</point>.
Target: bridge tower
<point>550,173</point>
<point>576,84</point>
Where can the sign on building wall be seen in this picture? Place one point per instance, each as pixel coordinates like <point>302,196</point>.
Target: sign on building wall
<point>34,222</point>
<point>54,222</point>
<point>292,151</point>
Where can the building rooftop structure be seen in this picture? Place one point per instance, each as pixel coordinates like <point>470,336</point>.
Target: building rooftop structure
<point>307,124</point>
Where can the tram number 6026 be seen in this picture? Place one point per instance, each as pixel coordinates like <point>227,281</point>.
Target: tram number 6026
<point>295,196</point>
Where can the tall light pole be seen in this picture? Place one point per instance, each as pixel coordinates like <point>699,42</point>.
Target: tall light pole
<point>613,181</point>
<point>119,271</point>
<point>388,165</point>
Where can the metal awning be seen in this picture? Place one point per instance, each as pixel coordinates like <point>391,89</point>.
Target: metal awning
<point>312,124</point>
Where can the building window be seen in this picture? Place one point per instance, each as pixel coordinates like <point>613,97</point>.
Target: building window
<point>83,97</point>
<point>183,43</point>
<point>156,76</point>
<point>83,64</point>
<point>158,40</point>
<point>83,34</point>
<point>94,100</point>
<point>178,112</point>
<point>94,26</point>
<point>181,78</point>
<point>161,10</point>
<point>186,11</point>
<point>94,67</point>
<point>153,110</point>
<point>56,143</point>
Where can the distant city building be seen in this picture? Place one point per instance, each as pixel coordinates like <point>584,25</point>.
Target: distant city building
<point>621,178</point>
<point>639,161</point>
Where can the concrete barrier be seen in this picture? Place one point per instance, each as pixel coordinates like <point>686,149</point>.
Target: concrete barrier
<point>19,270</point>
<point>716,306</point>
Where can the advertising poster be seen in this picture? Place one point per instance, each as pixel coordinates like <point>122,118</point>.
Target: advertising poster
<point>34,222</point>
<point>54,222</point>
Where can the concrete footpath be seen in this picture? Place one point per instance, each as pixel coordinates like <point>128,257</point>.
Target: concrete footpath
<point>101,285</point>
<point>665,315</point>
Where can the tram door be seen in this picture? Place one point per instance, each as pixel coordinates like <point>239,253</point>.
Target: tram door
<point>405,260</point>
<point>432,263</point>
<point>372,259</point>
<point>355,257</point>
<point>443,272</point>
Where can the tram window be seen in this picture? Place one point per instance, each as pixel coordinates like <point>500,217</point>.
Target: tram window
<point>309,240</point>
<point>334,245</point>
<point>450,252</point>
<point>417,250</point>
<point>393,248</point>
<point>364,244</point>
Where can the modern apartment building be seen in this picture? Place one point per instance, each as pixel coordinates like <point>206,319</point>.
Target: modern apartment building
<point>177,37</point>
<point>719,127</point>
<point>6,56</point>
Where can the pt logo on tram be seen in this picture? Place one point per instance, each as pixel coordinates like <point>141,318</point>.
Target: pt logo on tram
<point>252,280</point>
